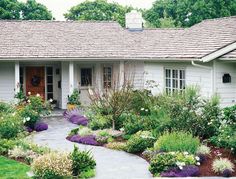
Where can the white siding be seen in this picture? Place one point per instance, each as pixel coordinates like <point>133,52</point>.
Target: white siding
<point>227,91</point>
<point>194,76</point>
<point>134,72</point>
<point>7,81</point>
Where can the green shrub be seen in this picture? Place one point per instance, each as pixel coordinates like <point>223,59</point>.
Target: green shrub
<point>164,161</point>
<point>133,123</point>
<point>140,141</point>
<point>10,126</point>
<point>6,145</point>
<point>99,121</point>
<point>6,108</point>
<point>52,165</point>
<point>82,161</point>
<point>177,141</point>
<point>74,98</point>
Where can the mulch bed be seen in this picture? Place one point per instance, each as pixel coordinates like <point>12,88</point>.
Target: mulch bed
<point>205,168</point>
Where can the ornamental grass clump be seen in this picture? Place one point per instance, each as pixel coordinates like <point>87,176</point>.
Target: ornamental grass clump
<point>52,165</point>
<point>177,141</point>
<point>223,166</point>
<point>202,152</point>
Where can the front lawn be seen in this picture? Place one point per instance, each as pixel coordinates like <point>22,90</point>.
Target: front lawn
<point>12,169</point>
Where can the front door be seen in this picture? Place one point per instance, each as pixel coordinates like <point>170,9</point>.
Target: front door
<point>35,81</point>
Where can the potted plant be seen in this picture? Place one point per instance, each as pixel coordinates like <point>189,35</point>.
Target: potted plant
<point>73,100</point>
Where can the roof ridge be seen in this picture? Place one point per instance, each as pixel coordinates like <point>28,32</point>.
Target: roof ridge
<point>58,21</point>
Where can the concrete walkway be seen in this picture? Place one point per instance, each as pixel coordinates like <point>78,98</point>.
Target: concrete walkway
<point>111,164</point>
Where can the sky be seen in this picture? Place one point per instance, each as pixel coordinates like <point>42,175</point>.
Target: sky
<point>59,7</point>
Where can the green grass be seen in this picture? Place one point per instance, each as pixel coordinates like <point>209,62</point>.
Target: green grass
<point>11,169</point>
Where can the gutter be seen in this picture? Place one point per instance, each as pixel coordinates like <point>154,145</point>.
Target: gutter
<point>201,66</point>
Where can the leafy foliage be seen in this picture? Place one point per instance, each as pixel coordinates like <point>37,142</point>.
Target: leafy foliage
<point>74,98</point>
<point>140,141</point>
<point>222,164</point>
<point>99,10</point>
<point>31,10</point>
<point>82,161</point>
<point>189,12</point>
<point>177,141</point>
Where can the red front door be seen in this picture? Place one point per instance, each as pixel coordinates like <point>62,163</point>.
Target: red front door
<point>35,81</point>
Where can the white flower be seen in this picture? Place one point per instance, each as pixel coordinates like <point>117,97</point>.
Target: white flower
<point>28,101</point>
<point>37,95</point>
<point>198,163</point>
<point>232,149</point>
<point>13,114</point>
<point>142,109</point>
<point>146,110</point>
<point>27,119</point>
<point>50,100</point>
<point>185,153</point>
<point>197,158</point>
<point>180,167</point>
<point>172,153</point>
<point>209,123</point>
<point>29,93</point>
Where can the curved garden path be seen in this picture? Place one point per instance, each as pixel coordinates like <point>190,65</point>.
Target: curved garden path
<point>111,164</point>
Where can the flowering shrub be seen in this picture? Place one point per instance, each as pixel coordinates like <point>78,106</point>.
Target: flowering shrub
<point>40,126</point>
<point>52,165</point>
<point>140,141</point>
<point>187,171</point>
<point>74,117</point>
<point>164,161</point>
<point>116,145</point>
<point>177,141</point>
<point>222,165</point>
<point>89,139</point>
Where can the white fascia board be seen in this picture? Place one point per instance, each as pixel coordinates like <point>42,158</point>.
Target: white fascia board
<point>219,52</point>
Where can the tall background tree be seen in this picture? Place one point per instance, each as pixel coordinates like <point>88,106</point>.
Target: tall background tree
<point>99,10</point>
<point>31,10</point>
<point>186,13</point>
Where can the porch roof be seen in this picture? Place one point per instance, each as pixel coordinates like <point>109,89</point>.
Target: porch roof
<point>108,40</point>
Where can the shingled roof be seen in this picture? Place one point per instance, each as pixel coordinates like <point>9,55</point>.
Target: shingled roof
<point>108,40</point>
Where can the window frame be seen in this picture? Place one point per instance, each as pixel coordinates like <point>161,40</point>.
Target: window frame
<point>177,81</point>
<point>82,68</point>
<point>103,76</point>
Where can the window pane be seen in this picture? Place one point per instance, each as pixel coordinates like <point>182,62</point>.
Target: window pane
<point>86,77</point>
<point>182,74</point>
<point>49,71</point>
<point>50,96</point>
<point>49,79</point>
<point>49,88</point>
<point>175,73</point>
<point>168,73</point>
<point>107,77</point>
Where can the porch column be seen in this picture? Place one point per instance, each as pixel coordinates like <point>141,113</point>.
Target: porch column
<point>71,77</point>
<point>17,77</point>
<point>121,74</point>
<point>98,76</point>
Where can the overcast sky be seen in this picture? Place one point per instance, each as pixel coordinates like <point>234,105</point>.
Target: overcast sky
<point>59,7</point>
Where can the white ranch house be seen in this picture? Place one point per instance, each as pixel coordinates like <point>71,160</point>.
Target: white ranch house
<point>52,58</point>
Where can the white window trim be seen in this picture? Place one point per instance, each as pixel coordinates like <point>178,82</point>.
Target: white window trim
<point>171,88</point>
<point>107,66</point>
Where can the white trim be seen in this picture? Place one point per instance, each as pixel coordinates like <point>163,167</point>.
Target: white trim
<point>71,77</point>
<point>121,74</point>
<point>219,52</point>
<point>17,77</point>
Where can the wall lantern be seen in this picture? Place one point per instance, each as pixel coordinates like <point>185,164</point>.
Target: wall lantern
<point>226,78</point>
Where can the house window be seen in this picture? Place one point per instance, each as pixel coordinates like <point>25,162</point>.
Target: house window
<point>86,76</point>
<point>107,77</point>
<point>175,80</point>
<point>49,72</point>
<point>21,77</point>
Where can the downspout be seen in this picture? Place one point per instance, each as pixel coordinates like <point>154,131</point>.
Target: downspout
<point>212,74</point>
